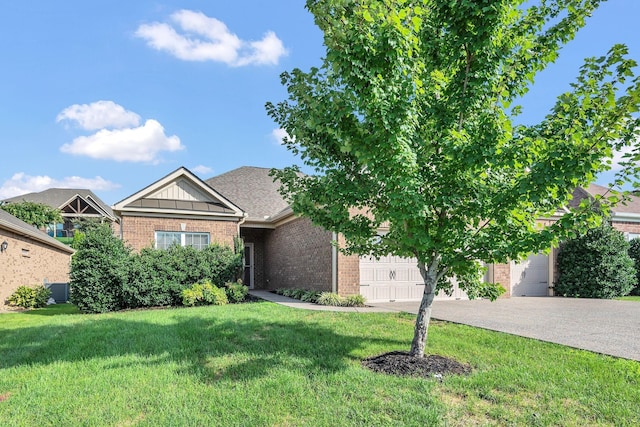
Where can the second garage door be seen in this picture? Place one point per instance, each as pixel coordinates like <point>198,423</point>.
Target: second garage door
<point>530,278</point>
<point>394,278</point>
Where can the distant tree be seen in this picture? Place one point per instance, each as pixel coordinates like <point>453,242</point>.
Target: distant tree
<point>595,265</point>
<point>411,122</point>
<point>37,214</point>
<point>85,224</point>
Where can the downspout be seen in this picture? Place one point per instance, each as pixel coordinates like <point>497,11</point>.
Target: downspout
<point>242,221</point>
<point>334,264</point>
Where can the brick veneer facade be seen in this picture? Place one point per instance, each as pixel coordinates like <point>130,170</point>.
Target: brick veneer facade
<point>29,262</point>
<point>299,256</point>
<point>139,231</point>
<point>348,271</point>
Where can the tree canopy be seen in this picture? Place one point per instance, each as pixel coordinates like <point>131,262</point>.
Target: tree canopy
<point>37,214</point>
<point>411,125</point>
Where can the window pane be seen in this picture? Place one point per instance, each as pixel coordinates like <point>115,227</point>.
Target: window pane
<point>164,239</point>
<point>197,240</point>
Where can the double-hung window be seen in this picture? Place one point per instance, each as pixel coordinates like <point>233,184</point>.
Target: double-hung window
<point>165,239</point>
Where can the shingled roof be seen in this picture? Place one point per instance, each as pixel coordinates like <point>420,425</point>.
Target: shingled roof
<point>252,190</point>
<point>628,206</point>
<point>58,197</point>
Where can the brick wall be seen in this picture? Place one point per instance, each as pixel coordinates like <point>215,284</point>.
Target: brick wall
<point>139,232</point>
<point>299,256</point>
<point>627,227</point>
<point>502,275</point>
<point>348,271</point>
<point>28,262</point>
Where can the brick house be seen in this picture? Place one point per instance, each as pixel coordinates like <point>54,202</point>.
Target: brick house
<point>283,250</point>
<point>29,256</point>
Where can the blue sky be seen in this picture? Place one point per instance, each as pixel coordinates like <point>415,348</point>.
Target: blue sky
<point>113,95</point>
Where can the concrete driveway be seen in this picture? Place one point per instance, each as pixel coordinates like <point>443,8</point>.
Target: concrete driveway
<point>604,326</point>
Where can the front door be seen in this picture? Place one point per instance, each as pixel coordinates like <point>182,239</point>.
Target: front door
<point>248,265</point>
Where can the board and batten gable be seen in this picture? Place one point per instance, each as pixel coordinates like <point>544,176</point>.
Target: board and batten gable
<point>178,204</point>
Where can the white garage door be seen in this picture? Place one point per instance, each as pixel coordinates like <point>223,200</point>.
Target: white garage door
<point>530,278</point>
<point>394,278</point>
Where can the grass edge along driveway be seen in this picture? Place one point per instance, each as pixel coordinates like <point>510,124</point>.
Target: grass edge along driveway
<point>264,364</point>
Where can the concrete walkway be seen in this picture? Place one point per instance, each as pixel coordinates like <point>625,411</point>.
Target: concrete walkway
<point>603,326</point>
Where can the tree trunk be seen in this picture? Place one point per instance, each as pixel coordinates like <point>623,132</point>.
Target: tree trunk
<point>429,275</point>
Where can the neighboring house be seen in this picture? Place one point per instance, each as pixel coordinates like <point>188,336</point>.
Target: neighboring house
<point>29,256</point>
<point>535,276</point>
<point>73,204</point>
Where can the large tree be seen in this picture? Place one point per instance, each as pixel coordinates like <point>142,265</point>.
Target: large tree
<point>411,124</point>
<point>37,214</point>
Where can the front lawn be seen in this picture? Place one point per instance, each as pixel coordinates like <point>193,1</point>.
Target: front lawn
<point>630,298</point>
<point>262,364</point>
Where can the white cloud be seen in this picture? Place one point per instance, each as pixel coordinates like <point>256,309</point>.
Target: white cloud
<point>202,170</point>
<point>208,39</point>
<point>618,157</point>
<point>139,144</point>
<point>98,115</point>
<point>21,183</point>
<point>279,135</point>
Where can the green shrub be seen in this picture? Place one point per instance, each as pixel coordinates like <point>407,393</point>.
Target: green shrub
<point>99,269</point>
<point>354,301</point>
<point>236,292</point>
<point>330,298</point>
<point>310,296</point>
<point>595,265</point>
<point>298,293</point>
<point>154,279</point>
<point>204,294</point>
<point>288,292</point>
<point>28,297</point>
<point>107,276</point>
<point>634,253</point>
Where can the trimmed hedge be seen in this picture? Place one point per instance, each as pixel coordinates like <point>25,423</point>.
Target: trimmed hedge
<point>108,276</point>
<point>99,270</point>
<point>596,265</point>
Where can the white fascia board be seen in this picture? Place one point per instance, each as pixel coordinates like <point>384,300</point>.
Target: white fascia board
<point>625,216</point>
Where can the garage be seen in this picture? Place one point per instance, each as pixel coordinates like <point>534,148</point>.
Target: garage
<point>392,278</point>
<point>530,278</point>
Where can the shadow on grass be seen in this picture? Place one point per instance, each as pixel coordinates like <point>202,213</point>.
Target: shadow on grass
<point>212,344</point>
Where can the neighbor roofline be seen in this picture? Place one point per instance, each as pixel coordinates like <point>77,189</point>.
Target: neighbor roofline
<point>36,235</point>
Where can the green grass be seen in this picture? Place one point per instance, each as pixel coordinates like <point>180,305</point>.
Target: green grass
<point>629,298</point>
<point>66,240</point>
<point>262,364</point>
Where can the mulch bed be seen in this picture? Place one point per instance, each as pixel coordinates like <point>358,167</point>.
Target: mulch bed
<point>402,364</point>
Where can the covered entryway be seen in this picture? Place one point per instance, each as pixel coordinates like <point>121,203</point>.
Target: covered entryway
<point>530,278</point>
<point>392,278</point>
